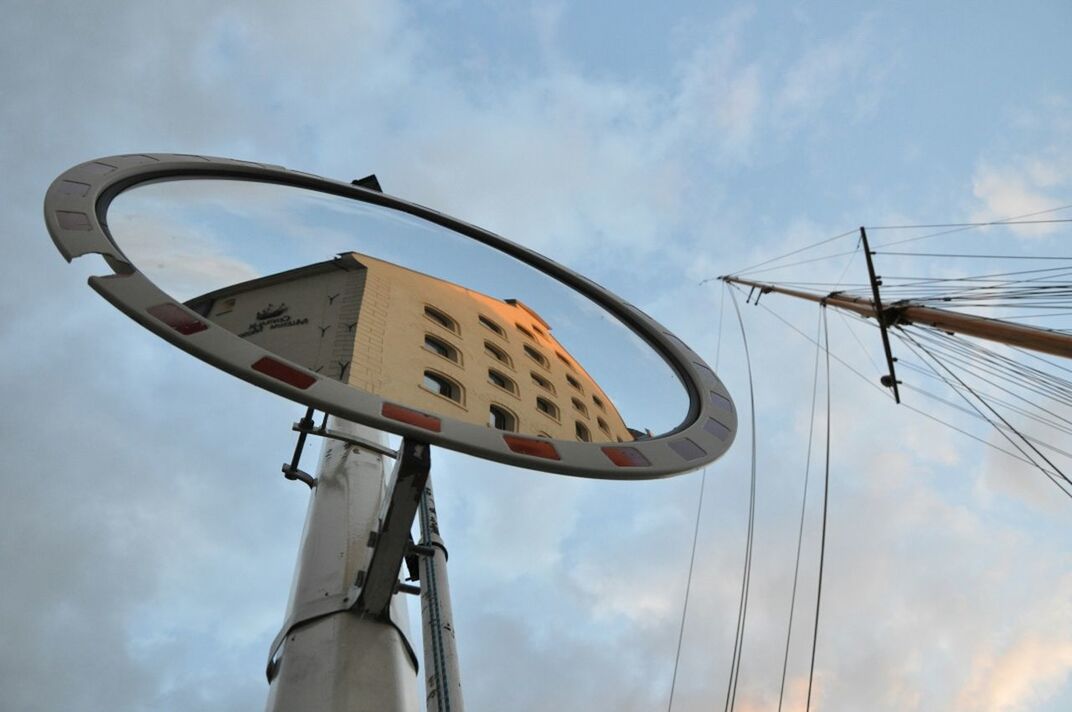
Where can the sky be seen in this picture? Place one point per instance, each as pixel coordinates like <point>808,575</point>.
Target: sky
<point>147,538</point>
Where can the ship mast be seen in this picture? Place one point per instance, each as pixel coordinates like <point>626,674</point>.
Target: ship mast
<point>1055,343</point>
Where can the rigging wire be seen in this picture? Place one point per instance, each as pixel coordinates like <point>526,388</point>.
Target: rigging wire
<point>791,253</point>
<point>903,404</point>
<point>696,526</point>
<point>962,228</point>
<point>973,256</point>
<point>803,508</point>
<point>742,609</point>
<point>688,586</point>
<point>826,499</point>
<point>1059,474</point>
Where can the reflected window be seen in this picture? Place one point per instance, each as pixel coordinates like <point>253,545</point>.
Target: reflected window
<point>603,425</point>
<point>536,356</point>
<point>599,402</point>
<point>441,385</point>
<point>542,382</point>
<point>442,348</point>
<point>547,407</point>
<point>501,380</point>
<point>582,432</point>
<point>501,419</point>
<point>496,353</point>
<point>574,382</point>
<point>440,317</point>
<point>525,331</point>
<point>491,324</point>
<point>579,406</point>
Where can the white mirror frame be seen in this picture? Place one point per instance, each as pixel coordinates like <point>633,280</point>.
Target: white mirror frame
<point>76,207</point>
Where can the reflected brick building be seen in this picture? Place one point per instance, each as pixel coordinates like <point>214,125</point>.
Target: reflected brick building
<point>421,341</point>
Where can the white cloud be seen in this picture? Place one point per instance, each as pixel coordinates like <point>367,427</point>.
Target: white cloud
<point>1028,670</point>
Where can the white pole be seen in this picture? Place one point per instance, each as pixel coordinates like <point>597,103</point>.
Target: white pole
<point>441,672</point>
<point>342,661</point>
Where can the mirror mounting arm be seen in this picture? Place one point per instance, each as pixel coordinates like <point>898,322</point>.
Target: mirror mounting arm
<point>305,427</point>
<point>290,470</point>
<point>379,582</point>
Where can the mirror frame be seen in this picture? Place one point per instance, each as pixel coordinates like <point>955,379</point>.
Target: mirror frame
<point>76,207</point>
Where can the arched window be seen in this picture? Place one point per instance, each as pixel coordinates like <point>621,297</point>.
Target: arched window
<point>501,380</point>
<point>535,355</point>
<point>579,406</point>
<point>547,407</point>
<point>563,359</point>
<point>441,385</point>
<point>442,348</point>
<point>574,382</point>
<point>582,432</point>
<point>599,402</point>
<point>525,331</point>
<point>542,382</point>
<point>496,353</point>
<point>603,425</point>
<point>501,419</point>
<point>493,325</point>
<point>442,318</point>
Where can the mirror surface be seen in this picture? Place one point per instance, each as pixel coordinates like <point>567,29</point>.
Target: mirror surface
<point>398,306</point>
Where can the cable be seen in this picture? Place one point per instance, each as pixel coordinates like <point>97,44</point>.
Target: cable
<point>790,254</point>
<point>696,526</point>
<point>688,586</point>
<point>822,540</point>
<point>963,226</point>
<point>803,507</point>
<point>1010,427</point>
<point>742,609</point>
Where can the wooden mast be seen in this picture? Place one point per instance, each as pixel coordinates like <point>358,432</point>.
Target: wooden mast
<point>1055,343</point>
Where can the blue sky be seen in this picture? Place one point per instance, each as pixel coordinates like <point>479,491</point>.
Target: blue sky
<point>147,540</point>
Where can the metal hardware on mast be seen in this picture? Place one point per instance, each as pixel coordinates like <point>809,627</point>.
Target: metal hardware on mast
<point>1054,343</point>
<point>442,676</point>
<point>880,317</point>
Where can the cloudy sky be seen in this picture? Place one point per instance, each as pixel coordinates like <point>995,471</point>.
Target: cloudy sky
<point>147,539</point>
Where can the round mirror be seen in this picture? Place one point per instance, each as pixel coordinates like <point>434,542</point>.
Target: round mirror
<point>428,323</point>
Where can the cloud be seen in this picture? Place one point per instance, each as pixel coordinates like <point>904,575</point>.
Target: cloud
<point>1027,671</point>
<point>1030,174</point>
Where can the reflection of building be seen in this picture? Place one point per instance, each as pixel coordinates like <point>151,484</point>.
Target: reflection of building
<point>421,342</point>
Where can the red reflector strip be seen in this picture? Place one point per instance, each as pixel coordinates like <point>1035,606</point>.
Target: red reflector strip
<point>528,446</point>
<point>282,372</point>
<point>177,318</point>
<point>626,456</point>
<point>411,417</point>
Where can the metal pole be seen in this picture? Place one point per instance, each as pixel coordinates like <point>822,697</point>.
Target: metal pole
<point>442,676</point>
<point>342,660</point>
<point>1054,343</point>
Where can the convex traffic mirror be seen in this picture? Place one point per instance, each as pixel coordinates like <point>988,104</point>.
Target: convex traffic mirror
<point>390,314</point>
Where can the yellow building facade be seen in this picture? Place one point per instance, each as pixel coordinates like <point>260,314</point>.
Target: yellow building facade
<point>422,342</point>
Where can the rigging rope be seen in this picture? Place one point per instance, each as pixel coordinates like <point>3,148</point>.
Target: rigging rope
<point>742,609</point>
<point>826,499</point>
<point>803,508</point>
<point>1049,474</point>
<point>696,526</point>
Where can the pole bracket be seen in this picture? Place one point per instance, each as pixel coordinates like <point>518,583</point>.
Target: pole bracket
<point>370,595</point>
